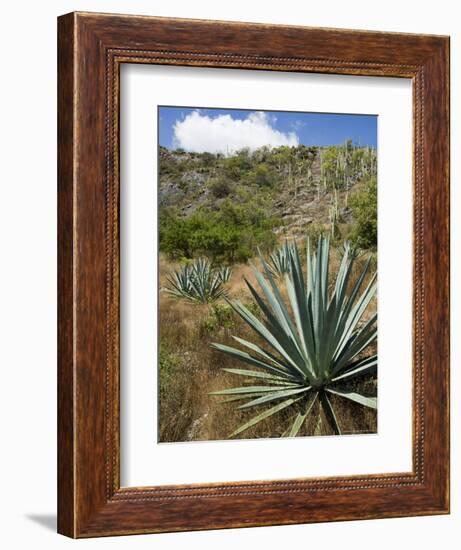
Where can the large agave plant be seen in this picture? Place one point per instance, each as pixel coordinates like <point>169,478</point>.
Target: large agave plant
<point>314,341</point>
<point>199,282</point>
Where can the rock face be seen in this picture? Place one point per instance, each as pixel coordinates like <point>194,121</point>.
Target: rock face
<point>186,183</point>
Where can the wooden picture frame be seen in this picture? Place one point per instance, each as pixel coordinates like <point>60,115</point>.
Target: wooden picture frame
<point>91,49</point>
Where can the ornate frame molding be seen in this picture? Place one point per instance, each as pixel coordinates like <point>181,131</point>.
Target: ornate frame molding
<point>91,49</point>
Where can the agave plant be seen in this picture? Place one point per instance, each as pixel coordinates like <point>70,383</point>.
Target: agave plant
<point>224,274</point>
<point>348,247</point>
<point>314,341</point>
<point>279,260</point>
<point>199,282</point>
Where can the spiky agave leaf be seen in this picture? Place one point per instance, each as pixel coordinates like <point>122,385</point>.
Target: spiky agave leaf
<point>279,259</point>
<point>353,249</point>
<point>199,282</point>
<point>224,273</point>
<point>180,282</point>
<point>312,342</point>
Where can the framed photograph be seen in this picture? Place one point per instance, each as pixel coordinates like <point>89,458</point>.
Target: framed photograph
<point>253,275</point>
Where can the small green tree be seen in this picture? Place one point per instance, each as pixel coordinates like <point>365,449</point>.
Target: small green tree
<point>262,175</point>
<point>237,165</point>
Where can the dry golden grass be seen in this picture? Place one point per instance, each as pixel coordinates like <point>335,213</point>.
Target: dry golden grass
<point>190,369</point>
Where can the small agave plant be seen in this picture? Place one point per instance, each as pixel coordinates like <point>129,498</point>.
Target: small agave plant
<point>314,341</point>
<point>199,282</point>
<point>279,260</point>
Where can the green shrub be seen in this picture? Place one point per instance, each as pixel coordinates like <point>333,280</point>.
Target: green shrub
<point>236,166</point>
<point>364,205</point>
<point>220,187</point>
<point>168,362</point>
<point>231,235</point>
<point>174,234</point>
<point>220,316</point>
<point>208,158</point>
<point>262,175</point>
<point>224,315</point>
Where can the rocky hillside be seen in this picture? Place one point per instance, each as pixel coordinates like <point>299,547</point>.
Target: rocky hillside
<point>296,182</point>
<point>299,189</point>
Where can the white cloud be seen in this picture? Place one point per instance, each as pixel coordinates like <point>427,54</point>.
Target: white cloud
<point>224,134</point>
<point>297,124</point>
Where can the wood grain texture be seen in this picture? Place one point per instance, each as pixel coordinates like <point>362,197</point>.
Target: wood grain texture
<point>66,155</point>
<point>91,49</point>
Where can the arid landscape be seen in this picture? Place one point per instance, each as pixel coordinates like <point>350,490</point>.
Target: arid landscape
<point>224,219</point>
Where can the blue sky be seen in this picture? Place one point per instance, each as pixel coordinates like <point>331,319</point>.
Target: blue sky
<point>226,130</point>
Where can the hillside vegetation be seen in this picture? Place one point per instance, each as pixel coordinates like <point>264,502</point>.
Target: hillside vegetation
<point>225,207</point>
